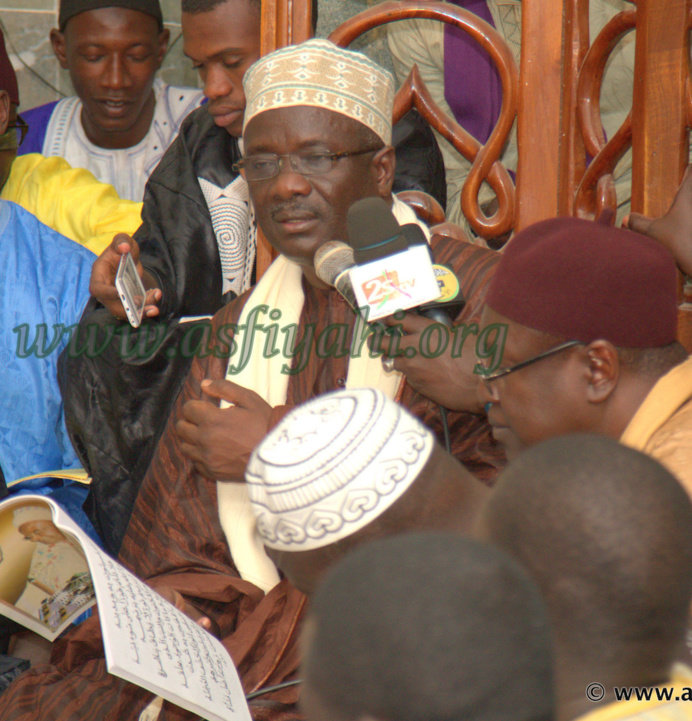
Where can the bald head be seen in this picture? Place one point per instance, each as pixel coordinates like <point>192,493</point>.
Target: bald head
<point>427,626</point>
<point>607,533</point>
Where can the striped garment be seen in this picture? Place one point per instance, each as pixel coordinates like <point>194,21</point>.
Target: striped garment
<point>174,534</point>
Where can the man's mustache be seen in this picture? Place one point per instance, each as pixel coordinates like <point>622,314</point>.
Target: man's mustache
<point>293,209</point>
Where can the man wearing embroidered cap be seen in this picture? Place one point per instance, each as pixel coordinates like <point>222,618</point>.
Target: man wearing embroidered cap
<point>348,468</point>
<point>316,99</point>
<point>198,245</point>
<point>317,132</point>
<point>591,319</point>
<point>122,119</point>
<point>197,537</point>
<point>316,140</point>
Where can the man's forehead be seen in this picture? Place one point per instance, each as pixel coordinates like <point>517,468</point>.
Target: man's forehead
<point>230,28</point>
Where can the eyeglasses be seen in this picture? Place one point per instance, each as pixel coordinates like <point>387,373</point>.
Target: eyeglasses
<point>13,137</point>
<point>263,167</point>
<point>488,377</point>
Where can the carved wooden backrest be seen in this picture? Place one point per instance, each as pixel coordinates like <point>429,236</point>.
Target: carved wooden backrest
<point>413,93</point>
<point>287,22</point>
<point>656,129</point>
<point>555,98</point>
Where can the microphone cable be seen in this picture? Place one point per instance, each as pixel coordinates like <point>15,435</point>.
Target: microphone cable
<point>271,689</point>
<point>445,429</point>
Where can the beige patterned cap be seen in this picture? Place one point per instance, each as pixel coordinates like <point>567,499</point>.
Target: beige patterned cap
<point>321,74</point>
<point>332,466</point>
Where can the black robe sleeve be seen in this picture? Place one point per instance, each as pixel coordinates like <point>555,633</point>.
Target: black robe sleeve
<point>176,238</point>
<point>119,384</point>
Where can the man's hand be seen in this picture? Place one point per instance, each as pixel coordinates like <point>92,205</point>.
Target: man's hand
<point>219,441</point>
<point>449,382</point>
<point>674,229</point>
<point>102,283</point>
<point>178,600</point>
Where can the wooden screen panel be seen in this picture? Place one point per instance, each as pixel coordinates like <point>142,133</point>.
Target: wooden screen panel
<point>557,98</point>
<point>539,129</point>
<point>656,128</point>
<point>413,93</point>
<point>572,154</point>
<point>660,117</point>
<point>596,190</point>
<point>660,105</point>
<point>286,22</point>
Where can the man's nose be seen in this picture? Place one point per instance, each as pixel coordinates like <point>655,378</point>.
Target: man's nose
<point>116,75</point>
<point>289,183</point>
<point>217,84</point>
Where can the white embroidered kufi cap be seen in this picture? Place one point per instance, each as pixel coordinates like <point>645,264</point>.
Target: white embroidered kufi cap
<point>332,466</point>
<point>25,514</point>
<point>321,74</point>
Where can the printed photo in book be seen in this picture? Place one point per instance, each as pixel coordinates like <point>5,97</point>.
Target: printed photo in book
<point>51,572</point>
<point>44,576</point>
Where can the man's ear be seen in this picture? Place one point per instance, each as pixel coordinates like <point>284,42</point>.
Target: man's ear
<point>5,109</point>
<point>164,37</point>
<point>57,40</point>
<point>603,369</point>
<point>383,164</point>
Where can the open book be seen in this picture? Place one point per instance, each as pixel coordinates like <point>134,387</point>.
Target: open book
<point>78,475</point>
<point>51,572</point>
<point>52,479</point>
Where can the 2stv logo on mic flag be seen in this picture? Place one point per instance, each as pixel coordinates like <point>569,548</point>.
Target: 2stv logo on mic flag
<point>397,282</point>
<point>387,287</point>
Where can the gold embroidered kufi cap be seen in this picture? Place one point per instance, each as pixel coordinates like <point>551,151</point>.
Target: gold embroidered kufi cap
<point>318,73</point>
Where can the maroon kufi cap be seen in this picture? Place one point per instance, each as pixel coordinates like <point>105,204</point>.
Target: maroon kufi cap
<point>8,78</point>
<point>584,281</point>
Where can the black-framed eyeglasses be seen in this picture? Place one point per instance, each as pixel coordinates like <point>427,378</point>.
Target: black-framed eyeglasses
<point>268,165</point>
<point>15,134</point>
<point>501,372</point>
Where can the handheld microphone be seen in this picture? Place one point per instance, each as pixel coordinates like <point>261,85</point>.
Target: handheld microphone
<point>395,268</point>
<point>332,262</point>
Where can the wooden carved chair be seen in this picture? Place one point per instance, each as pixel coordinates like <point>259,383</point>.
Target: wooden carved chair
<point>555,99</point>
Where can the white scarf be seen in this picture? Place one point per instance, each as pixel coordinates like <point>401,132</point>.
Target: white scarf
<point>281,287</point>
